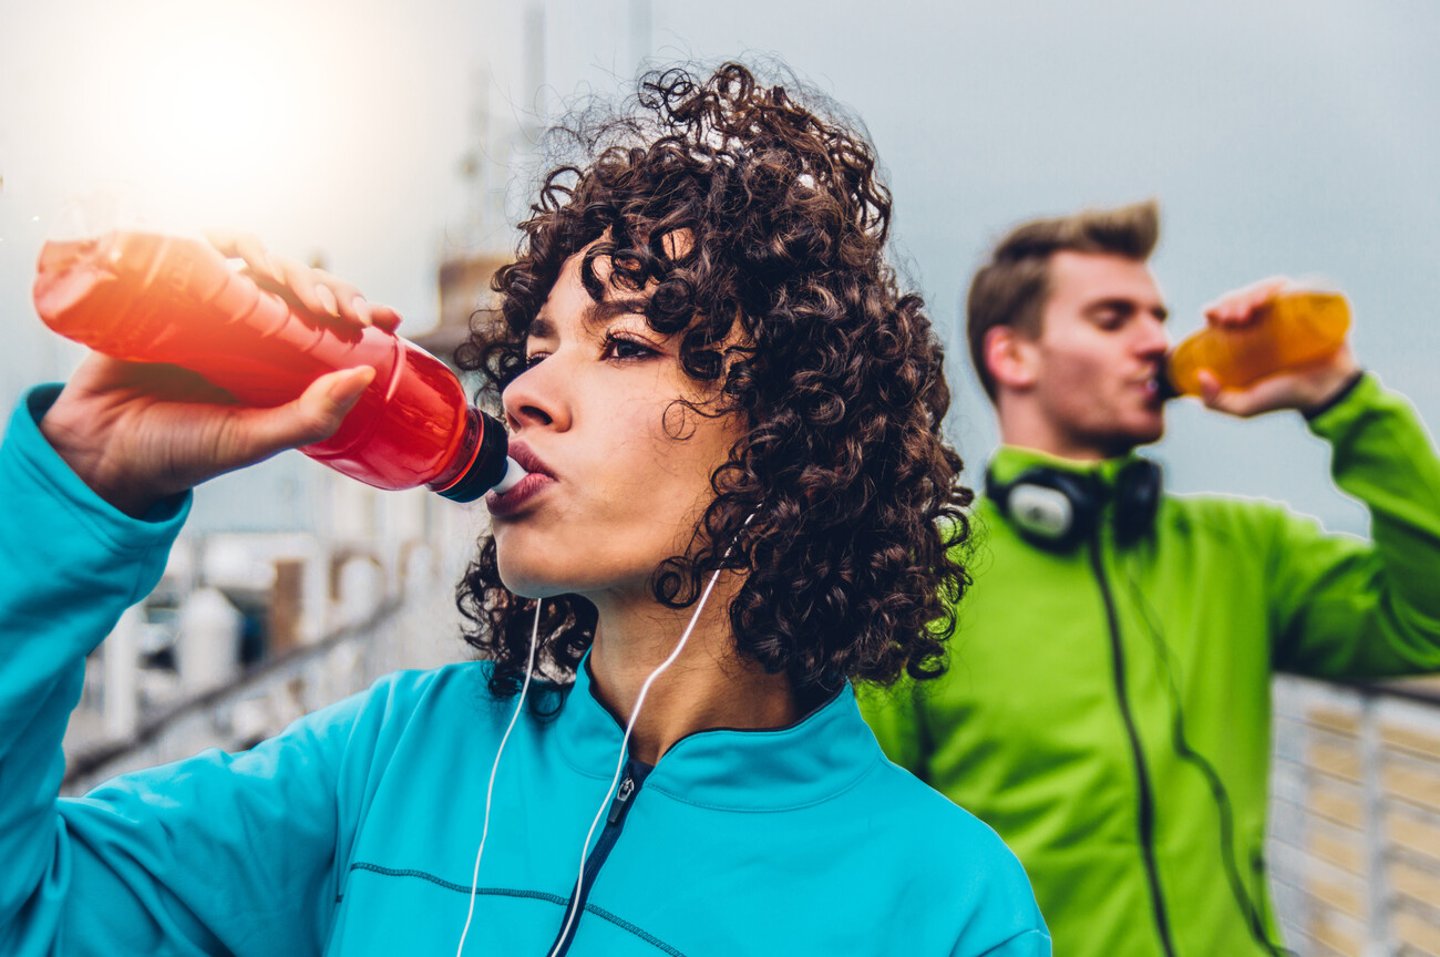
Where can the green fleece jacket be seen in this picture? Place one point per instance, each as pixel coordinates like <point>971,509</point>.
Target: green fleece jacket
<point>1078,683</point>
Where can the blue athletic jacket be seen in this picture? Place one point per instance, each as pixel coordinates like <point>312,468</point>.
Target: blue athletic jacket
<point>354,831</point>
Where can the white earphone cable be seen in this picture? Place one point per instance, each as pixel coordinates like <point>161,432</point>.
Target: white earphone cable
<point>490,789</point>
<point>625,741</point>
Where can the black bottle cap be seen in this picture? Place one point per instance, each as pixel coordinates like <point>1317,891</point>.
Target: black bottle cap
<point>1166,384</point>
<point>489,466</point>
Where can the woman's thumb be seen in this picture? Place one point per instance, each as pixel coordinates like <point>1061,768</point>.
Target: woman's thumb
<point>317,413</point>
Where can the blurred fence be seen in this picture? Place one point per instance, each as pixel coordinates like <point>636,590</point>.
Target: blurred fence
<point>1355,818</point>
<point>406,621</point>
<point>254,707</point>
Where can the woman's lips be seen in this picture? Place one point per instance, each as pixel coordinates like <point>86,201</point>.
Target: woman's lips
<point>514,500</point>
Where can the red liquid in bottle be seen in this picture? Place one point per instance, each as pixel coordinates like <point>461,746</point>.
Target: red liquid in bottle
<point>152,298</point>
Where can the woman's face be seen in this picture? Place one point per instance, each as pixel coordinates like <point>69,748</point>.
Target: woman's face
<point>619,474</point>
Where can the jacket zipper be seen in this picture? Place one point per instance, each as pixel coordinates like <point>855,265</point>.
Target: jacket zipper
<point>1146,816</point>
<point>620,805</point>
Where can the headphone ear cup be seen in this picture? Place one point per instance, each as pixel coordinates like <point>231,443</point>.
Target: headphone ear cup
<point>1051,509</point>
<point>1137,499</point>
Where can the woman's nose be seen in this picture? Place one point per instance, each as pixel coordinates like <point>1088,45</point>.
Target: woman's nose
<point>534,400</point>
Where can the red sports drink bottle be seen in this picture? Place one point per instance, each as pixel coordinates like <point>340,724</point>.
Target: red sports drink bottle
<point>152,298</point>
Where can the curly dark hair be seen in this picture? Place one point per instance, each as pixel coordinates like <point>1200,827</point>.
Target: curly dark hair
<point>738,215</point>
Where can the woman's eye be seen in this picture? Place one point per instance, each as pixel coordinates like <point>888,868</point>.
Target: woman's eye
<point>619,347</point>
<point>533,359</point>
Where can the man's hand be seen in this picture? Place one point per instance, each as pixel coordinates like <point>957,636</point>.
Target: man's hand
<point>1309,387</point>
<point>139,432</point>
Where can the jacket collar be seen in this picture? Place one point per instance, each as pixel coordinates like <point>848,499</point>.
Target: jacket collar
<point>1010,461</point>
<point>818,757</point>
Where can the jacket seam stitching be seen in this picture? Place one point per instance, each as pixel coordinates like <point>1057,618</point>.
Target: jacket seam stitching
<point>555,899</point>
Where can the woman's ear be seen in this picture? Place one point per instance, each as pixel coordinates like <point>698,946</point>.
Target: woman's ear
<point>1011,357</point>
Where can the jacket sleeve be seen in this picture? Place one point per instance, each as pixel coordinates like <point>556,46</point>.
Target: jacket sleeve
<point>218,854</point>
<point>1346,608</point>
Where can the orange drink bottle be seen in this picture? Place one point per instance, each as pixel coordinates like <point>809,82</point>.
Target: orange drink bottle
<point>1295,328</point>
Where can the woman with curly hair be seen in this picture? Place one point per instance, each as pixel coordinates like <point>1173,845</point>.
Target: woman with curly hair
<point>738,502</point>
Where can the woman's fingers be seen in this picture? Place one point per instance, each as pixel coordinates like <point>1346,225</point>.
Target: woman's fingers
<point>291,278</point>
<point>341,300</point>
<point>316,290</point>
<point>249,249</point>
<point>313,417</point>
<point>383,316</point>
<point>311,288</point>
<point>136,432</point>
<point>351,304</point>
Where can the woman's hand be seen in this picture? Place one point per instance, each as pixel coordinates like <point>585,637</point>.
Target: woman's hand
<point>1309,387</point>
<point>139,432</point>
<point>315,289</point>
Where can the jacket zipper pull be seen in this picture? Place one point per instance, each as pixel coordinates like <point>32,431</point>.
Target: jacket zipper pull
<point>622,797</point>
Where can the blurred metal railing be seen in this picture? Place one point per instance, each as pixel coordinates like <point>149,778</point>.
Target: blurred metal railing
<point>411,622</point>
<point>239,714</point>
<point>1355,818</point>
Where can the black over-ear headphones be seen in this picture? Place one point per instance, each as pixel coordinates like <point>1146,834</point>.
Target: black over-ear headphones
<point>1058,510</point>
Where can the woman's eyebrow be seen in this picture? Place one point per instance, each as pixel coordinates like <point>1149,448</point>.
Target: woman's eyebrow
<point>603,313</point>
<point>540,328</point>
<point>629,304</point>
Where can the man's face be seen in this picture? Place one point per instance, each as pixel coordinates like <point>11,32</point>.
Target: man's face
<point>1098,356</point>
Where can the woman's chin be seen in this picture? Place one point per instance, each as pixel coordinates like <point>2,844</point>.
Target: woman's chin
<point>529,587</point>
<point>533,579</point>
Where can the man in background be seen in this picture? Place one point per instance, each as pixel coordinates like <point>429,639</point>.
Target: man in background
<point>1107,707</point>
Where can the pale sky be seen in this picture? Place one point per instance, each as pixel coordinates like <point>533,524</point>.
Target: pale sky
<point>1290,137</point>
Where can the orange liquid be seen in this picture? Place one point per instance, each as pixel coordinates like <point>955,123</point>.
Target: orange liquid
<point>1294,329</point>
<point>151,298</point>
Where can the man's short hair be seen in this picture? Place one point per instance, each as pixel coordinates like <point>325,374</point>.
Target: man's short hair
<point>1011,289</point>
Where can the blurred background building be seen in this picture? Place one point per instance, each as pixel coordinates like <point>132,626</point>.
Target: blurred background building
<point>398,145</point>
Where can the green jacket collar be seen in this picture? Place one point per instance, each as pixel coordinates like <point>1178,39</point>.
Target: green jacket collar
<point>1010,461</point>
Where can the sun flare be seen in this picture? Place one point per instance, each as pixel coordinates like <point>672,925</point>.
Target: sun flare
<point>191,116</point>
